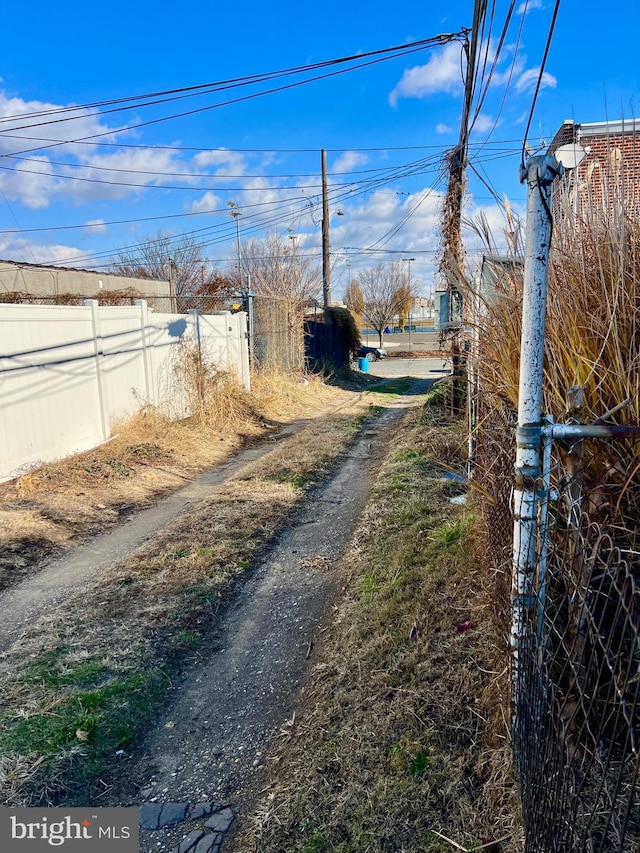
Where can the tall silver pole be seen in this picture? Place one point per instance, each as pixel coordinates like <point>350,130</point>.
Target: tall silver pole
<point>236,215</point>
<point>326,247</point>
<point>538,175</point>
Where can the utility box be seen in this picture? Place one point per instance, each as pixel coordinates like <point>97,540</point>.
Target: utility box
<point>447,309</point>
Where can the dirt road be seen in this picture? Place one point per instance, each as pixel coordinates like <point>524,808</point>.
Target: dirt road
<point>46,588</point>
<point>211,746</point>
<point>212,743</point>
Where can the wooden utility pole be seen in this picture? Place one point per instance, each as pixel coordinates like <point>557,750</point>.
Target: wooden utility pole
<point>452,261</point>
<point>326,259</point>
<point>452,243</point>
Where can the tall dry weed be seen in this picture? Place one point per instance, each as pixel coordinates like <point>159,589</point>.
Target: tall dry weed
<point>592,340</point>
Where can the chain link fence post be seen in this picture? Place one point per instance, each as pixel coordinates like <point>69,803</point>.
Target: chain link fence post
<point>538,175</point>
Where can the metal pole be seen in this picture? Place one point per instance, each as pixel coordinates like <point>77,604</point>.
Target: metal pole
<point>326,249</point>
<point>547,446</point>
<point>172,287</point>
<point>250,319</point>
<point>236,215</point>
<point>538,174</point>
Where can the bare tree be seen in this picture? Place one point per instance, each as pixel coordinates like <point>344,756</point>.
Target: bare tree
<point>163,257</point>
<point>272,267</point>
<point>385,293</point>
<point>354,300</point>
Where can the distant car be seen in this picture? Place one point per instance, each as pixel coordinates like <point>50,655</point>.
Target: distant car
<point>372,353</point>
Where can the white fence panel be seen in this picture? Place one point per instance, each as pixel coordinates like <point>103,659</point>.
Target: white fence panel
<point>50,404</point>
<point>169,336</point>
<point>122,375</point>
<point>67,372</point>
<point>223,338</point>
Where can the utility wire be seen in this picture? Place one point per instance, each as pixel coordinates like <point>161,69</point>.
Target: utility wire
<point>494,64</point>
<point>540,76</point>
<point>183,174</point>
<point>289,208</point>
<point>153,98</point>
<point>202,149</point>
<point>435,41</point>
<point>188,187</point>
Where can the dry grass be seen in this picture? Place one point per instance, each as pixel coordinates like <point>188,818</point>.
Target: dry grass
<point>401,734</point>
<point>592,340</point>
<point>86,677</point>
<point>592,346</point>
<point>55,505</point>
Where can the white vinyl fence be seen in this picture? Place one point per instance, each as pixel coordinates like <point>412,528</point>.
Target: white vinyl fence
<point>67,373</point>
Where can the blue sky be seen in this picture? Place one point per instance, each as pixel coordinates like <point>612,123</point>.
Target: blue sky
<point>385,127</point>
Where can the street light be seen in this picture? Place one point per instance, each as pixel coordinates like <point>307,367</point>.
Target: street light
<point>246,293</point>
<point>237,213</point>
<point>408,260</point>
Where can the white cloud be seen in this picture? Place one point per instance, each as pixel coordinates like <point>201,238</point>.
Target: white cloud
<point>229,163</point>
<point>526,82</point>
<point>348,161</point>
<point>23,250</point>
<point>441,74</point>
<point>62,255</point>
<point>260,190</point>
<point>86,175</point>
<point>484,123</point>
<point>17,135</point>
<point>32,184</point>
<point>529,6</point>
<point>372,220</point>
<point>209,203</point>
<point>95,226</point>
<point>443,128</point>
<point>512,65</point>
<point>115,175</point>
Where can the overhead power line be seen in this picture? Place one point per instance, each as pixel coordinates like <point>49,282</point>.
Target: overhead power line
<point>152,98</point>
<point>204,149</point>
<point>540,76</point>
<point>378,56</point>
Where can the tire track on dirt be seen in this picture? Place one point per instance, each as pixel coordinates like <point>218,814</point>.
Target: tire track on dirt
<point>213,737</point>
<point>50,584</point>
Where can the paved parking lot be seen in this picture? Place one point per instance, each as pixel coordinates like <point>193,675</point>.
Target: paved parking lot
<point>421,368</point>
<point>405,342</point>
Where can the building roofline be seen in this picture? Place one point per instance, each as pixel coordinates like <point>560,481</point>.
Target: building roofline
<point>104,273</point>
<point>609,128</point>
<point>570,132</point>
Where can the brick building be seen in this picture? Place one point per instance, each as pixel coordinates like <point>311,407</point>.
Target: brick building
<point>608,179</point>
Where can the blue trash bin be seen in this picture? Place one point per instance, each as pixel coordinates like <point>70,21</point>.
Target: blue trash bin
<point>363,365</point>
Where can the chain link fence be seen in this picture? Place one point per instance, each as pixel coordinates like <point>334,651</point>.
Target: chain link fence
<point>576,710</point>
<point>576,732</point>
<point>278,338</point>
